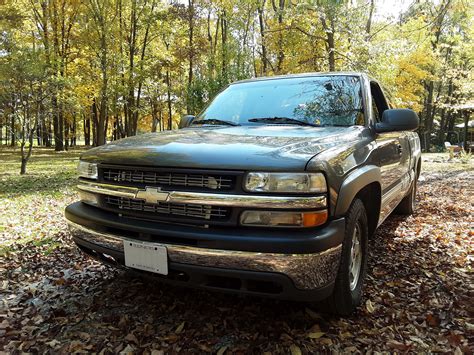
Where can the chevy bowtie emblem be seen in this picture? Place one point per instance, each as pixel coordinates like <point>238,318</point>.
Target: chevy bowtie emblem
<point>152,195</point>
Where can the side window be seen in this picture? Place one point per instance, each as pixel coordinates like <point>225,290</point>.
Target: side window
<point>379,104</point>
<point>375,110</point>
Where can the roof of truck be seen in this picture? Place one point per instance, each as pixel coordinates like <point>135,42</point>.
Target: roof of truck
<point>303,75</point>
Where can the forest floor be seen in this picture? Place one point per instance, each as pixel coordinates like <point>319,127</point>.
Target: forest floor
<point>418,295</point>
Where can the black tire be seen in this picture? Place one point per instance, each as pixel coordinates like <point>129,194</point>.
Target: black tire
<point>407,205</point>
<point>347,295</point>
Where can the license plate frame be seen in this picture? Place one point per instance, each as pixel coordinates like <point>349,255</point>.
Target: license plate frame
<point>146,256</point>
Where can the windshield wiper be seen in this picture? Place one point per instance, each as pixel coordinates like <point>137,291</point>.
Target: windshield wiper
<point>214,121</point>
<point>336,125</point>
<point>287,120</point>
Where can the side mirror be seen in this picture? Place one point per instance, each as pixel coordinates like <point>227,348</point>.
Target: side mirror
<point>398,120</point>
<point>186,121</point>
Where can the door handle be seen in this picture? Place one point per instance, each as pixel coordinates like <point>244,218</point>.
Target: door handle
<point>399,149</point>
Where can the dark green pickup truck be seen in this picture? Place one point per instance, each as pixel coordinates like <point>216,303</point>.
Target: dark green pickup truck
<point>272,190</point>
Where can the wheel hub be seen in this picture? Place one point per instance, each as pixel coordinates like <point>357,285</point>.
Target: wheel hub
<point>356,258</point>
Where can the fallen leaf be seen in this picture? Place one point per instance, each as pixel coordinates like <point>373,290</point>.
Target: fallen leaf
<point>432,320</point>
<point>180,328</point>
<point>295,350</point>
<point>315,335</point>
<point>222,350</point>
<point>128,350</point>
<point>53,343</point>
<point>369,306</point>
<point>397,345</point>
<point>131,338</point>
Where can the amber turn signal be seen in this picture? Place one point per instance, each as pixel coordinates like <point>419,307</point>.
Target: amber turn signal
<point>283,219</point>
<point>313,219</point>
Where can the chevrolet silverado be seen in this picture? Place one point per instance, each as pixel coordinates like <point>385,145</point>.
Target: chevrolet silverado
<point>273,189</point>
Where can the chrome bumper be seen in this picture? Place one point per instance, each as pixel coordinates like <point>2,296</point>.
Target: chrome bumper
<point>307,271</point>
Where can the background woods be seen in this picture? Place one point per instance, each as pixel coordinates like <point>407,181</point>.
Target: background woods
<point>97,70</point>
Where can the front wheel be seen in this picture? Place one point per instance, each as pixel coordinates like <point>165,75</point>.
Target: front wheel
<point>347,292</point>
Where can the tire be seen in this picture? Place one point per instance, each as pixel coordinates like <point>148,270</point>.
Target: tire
<point>407,205</point>
<point>347,293</point>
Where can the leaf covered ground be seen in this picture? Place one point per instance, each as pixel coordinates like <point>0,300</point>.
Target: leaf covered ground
<point>418,297</point>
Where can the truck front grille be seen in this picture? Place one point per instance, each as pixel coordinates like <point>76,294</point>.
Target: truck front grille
<point>167,209</point>
<point>142,176</point>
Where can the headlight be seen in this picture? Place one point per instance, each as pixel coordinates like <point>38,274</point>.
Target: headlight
<point>285,182</point>
<point>87,170</point>
<point>283,219</point>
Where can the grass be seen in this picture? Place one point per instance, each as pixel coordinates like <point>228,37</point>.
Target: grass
<point>33,204</point>
<point>441,163</point>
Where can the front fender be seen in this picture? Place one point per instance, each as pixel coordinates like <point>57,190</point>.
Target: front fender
<point>353,183</point>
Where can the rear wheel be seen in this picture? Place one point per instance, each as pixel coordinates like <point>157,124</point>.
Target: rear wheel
<point>347,292</point>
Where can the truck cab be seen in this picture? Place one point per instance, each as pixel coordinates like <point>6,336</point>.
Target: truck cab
<point>272,190</point>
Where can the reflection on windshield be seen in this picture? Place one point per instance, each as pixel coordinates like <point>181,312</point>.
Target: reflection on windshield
<point>320,100</point>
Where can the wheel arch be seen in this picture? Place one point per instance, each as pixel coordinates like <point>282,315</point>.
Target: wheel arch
<point>364,183</point>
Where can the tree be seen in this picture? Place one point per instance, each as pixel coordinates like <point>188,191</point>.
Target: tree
<point>115,68</point>
<point>103,18</point>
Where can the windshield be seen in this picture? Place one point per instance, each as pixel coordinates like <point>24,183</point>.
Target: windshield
<point>319,100</point>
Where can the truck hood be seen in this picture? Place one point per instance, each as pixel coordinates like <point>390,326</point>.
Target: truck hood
<point>269,147</point>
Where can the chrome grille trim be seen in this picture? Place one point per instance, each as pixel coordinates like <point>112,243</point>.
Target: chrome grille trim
<point>201,198</point>
<point>187,210</point>
<point>168,179</point>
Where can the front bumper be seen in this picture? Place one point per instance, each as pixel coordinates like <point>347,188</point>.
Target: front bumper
<point>297,273</point>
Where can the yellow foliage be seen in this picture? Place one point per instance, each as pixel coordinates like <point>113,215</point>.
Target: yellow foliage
<point>408,84</point>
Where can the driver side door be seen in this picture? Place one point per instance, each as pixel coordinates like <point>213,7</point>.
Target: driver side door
<point>393,155</point>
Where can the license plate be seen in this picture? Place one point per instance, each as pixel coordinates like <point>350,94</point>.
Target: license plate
<point>146,256</point>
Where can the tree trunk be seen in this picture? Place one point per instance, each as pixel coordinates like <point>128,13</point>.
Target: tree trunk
<point>101,123</point>
<point>281,53</point>
<point>87,130</point>
<point>132,40</point>
<point>437,29</point>
<point>443,125</point>
<point>95,123</point>
<point>330,44</point>
<point>224,45</point>
<point>466,129</point>
<point>140,83</point>
<point>168,91</point>
<point>260,10</point>
<point>189,103</point>
<point>30,132</point>
<point>211,43</point>
<point>57,131</point>
<point>38,135</point>
<point>429,114</point>
<point>73,132</point>
<point>66,134</point>
<point>368,25</point>
<point>49,142</point>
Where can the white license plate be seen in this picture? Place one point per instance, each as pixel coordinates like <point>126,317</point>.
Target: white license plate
<point>146,256</point>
